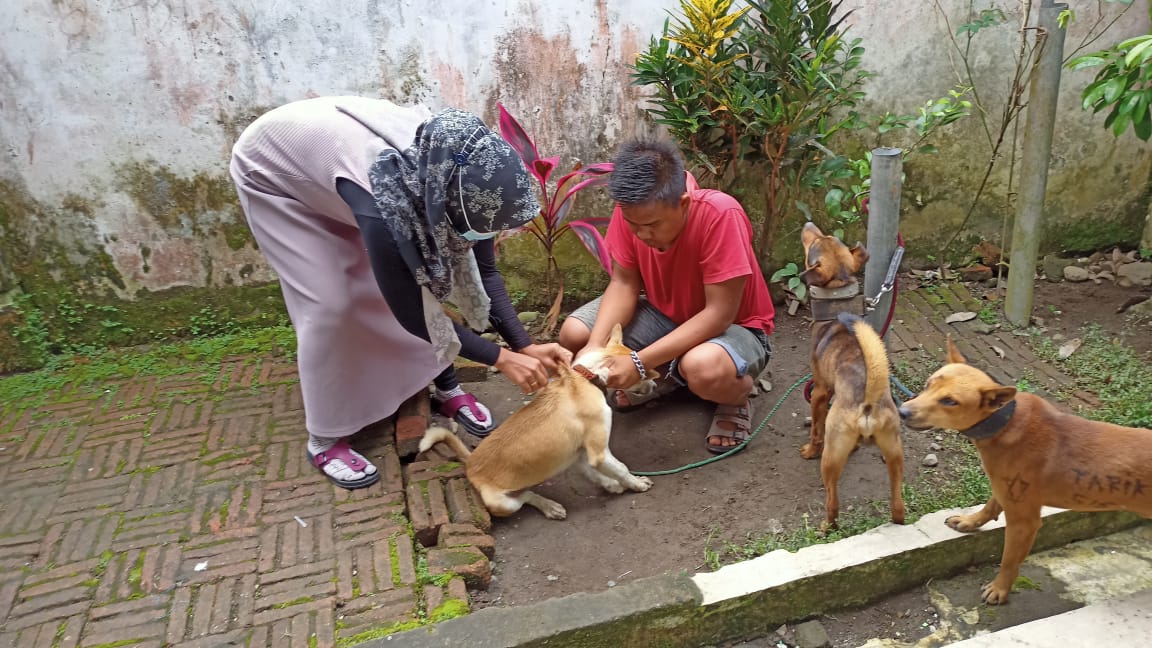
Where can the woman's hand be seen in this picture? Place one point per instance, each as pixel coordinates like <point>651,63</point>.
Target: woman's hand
<point>528,372</point>
<point>550,354</point>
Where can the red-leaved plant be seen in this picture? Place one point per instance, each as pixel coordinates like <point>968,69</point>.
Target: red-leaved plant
<point>555,207</point>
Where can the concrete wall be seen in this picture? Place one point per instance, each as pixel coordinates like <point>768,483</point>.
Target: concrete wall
<point>1098,186</point>
<point>116,118</point>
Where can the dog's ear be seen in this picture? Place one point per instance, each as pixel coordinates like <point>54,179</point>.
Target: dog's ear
<point>993,398</point>
<point>808,275</point>
<point>810,233</point>
<point>954,353</point>
<point>653,375</point>
<point>616,335</point>
<point>860,254</point>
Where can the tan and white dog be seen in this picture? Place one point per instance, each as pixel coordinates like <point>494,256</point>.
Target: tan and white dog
<point>568,422</point>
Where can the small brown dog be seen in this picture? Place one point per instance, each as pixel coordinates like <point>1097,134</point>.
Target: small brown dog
<point>851,397</point>
<point>568,422</point>
<point>1034,456</point>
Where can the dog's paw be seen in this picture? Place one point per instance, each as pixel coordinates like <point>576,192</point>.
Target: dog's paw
<point>641,484</point>
<point>553,510</point>
<point>993,594</point>
<point>613,486</point>
<point>963,523</point>
<point>810,451</point>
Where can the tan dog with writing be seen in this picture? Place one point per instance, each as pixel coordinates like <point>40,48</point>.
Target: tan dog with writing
<point>1034,455</point>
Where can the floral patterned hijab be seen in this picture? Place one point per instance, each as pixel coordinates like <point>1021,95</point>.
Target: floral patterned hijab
<point>458,177</point>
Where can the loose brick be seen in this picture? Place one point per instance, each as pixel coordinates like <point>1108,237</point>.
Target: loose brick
<point>147,635</point>
<point>391,476</point>
<point>409,431</point>
<point>325,629</point>
<point>394,606</point>
<point>31,605</point>
<point>433,597</point>
<point>465,505</point>
<point>276,614</point>
<point>427,509</point>
<point>233,638</point>
<point>461,535</point>
<point>429,470</point>
<point>27,621</point>
<point>8,592</point>
<point>467,562</point>
<point>411,422</point>
<point>178,615</point>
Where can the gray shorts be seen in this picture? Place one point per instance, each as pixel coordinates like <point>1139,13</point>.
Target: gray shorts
<point>750,349</point>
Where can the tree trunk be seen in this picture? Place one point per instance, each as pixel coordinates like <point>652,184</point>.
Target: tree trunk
<point>1146,239</point>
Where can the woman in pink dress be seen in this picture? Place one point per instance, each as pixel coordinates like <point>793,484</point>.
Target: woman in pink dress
<point>373,215</point>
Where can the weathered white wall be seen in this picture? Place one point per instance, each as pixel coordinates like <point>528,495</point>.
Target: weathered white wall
<point>90,89</point>
<point>111,110</point>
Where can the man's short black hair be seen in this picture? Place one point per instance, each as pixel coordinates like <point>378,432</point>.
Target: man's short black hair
<point>647,170</point>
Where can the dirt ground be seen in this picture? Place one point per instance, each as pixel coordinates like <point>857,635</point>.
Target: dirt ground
<point>608,540</point>
<point>1061,308</point>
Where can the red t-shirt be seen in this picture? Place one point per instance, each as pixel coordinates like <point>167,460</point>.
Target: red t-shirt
<point>714,246</point>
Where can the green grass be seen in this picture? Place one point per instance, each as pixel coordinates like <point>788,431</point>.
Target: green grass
<point>102,369</point>
<point>1112,370</point>
<point>988,314</point>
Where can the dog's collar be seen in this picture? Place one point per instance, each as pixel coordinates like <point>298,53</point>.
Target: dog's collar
<point>843,292</point>
<point>828,304</point>
<point>992,425</point>
<point>585,372</point>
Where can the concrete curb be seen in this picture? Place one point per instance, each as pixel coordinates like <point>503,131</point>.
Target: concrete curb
<point>752,597</point>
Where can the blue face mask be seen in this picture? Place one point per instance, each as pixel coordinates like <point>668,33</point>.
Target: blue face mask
<point>469,234</point>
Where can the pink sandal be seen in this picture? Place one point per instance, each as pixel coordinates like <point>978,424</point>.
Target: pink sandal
<point>343,452</point>
<point>451,409</point>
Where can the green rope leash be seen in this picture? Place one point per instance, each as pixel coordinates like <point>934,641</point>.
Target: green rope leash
<point>705,462</point>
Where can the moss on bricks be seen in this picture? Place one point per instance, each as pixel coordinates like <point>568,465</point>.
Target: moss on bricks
<point>449,609</point>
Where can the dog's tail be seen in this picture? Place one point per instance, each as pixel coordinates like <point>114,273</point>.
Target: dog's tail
<point>875,358</point>
<point>437,434</point>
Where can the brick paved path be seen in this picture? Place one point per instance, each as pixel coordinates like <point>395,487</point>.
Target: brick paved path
<point>180,511</point>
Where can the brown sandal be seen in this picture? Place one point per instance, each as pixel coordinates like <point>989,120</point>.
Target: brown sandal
<point>740,416</point>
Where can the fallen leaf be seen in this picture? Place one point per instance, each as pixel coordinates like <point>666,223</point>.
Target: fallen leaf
<point>998,350</point>
<point>1068,348</point>
<point>962,316</point>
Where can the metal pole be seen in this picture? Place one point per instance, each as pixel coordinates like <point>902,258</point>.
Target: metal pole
<point>1042,96</point>
<point>883,224</point>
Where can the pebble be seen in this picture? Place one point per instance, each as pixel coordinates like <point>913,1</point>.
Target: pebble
<point>930,460</point>
<point>939,437</point>
<point>553,578</point>
<point>935,447</point>
<point>611,583</point>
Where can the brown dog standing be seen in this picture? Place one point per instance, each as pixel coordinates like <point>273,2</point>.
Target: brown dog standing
<point>1034,456</point>
<point>851,397</point>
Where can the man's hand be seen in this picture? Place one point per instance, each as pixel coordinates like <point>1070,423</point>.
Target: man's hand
<point>528,372</point>
<point>622,372</point>
<point>550,354</point>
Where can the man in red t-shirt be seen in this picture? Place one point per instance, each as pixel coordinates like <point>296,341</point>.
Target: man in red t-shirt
<point>705,311</point>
